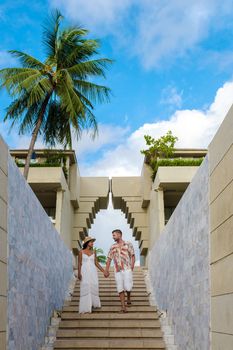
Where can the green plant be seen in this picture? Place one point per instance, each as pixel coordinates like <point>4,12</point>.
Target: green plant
<point>100,255</point>
<point>52,157</point>
<point>56,97</point>
<point>162,147</point>
<point>39,165</point>
<point>176,162</point>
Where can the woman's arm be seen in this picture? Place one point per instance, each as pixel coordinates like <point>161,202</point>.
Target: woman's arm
<point>79,265</point>
<point>97,264</point>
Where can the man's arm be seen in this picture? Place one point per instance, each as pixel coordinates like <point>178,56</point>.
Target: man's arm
<point>132,262</point>
<point>132,255</point>
<point>106,272</point>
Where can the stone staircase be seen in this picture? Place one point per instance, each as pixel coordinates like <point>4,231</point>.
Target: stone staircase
<point>106,328</point>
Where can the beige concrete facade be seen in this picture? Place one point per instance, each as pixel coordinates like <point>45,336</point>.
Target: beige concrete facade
<point>149,204</point>
<point>72,201</point>
<point>221,221</point>
<point>3,243</point>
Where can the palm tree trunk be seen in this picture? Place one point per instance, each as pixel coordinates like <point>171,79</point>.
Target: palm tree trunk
<point>35,134</point>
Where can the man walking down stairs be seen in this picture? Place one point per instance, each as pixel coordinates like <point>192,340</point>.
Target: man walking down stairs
<point>106,328</point>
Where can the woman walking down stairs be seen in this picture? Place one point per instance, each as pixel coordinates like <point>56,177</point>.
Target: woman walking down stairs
<point>107,328</point>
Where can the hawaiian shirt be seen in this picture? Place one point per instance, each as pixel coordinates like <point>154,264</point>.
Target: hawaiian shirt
<point>121,255</point>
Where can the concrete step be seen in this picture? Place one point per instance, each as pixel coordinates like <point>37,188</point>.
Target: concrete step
<point>110,333</point>
<point>116,297</point>
<point>114,293</point>
<point>132,308</point>
<point>107,328</point>
<point>129,343</point>
<point>113,286</point>
<point>111,302</point>
<point>111,277</point>
<point>124,323</point>
<point>110,316</point>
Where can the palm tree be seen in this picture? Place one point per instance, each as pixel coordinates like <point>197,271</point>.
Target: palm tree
<point>100,255</point>
<point>56,97</point>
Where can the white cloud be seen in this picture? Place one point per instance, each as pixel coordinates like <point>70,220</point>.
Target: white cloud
<point>172,28</point>
<point>194,128</point>
<point>107,135</point>
<point>99,15</point>
<point>171,97</point>
<point>6,60</point>
<point>153,30</point>
<point>118,154</point>
<point>16,141</point>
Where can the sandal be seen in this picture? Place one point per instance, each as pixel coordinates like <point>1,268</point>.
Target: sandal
<point>123,311</point>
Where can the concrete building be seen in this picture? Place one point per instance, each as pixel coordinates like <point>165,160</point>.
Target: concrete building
<point>72,201</point>
<point>189,254</point>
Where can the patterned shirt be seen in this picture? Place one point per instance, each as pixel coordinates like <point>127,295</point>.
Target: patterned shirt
<point>121,255</point>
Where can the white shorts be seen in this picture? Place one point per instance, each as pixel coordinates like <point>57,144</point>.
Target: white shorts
<point>124,280</point>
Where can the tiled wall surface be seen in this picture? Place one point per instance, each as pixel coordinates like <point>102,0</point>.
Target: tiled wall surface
<point>179,266</point>
<point>3,243</point>
<point>221,226</point>
<point>39,266</point>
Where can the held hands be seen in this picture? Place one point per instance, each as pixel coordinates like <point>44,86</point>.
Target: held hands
<point>106,274</point>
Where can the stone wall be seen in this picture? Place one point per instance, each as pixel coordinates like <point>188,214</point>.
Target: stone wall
<point>39,266</point>
<point>179,266</point>
<point>221,227</point>
<point>3,243</point>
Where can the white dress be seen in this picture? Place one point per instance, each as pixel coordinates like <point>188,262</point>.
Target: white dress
<point>89,285</point>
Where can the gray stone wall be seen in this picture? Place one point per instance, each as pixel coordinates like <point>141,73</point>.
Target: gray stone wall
<point>179,266</point>
<point>39,266</point>
<point>3,243</point>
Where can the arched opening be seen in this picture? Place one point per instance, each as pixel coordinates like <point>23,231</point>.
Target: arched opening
<point>105,222</point>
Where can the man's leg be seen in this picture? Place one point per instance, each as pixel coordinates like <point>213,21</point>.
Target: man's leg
<point>120,289</point>
<point>122,299</point>
<point>128,284</point>
<point>128,298</point>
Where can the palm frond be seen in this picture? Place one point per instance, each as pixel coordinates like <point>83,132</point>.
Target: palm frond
<point>17,109</point>
<point>57,126</point>
<point>12,77</point>
<point>89,68</point>
<point>27,60</point>
<point>28,120</point>
<point>51,33</point>
<point>58,92</point>
<point>74,49</point>
<point>69,99</point>
<point>93,92</point>
<point>39,90</point>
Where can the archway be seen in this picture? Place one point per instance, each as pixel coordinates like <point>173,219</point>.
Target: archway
<point>128,195</point>
<point>107,220</point>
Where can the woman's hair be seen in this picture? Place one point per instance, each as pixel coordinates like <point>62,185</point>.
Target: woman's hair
<point>86,244</point>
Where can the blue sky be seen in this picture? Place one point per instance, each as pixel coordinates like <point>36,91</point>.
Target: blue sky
<point>173,70</point>
<point>169,55</point>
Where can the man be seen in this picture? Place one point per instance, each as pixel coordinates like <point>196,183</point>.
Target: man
<point>123,256</point>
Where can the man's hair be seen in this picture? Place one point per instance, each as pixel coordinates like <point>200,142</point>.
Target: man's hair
<point>117,230</point>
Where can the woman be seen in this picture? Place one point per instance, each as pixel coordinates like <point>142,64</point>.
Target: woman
<point>88,277</point>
